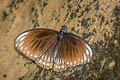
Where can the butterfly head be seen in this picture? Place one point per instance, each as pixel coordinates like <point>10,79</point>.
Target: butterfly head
<point>63,30</point>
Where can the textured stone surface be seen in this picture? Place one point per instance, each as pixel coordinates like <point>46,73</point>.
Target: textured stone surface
<point>96,21</point>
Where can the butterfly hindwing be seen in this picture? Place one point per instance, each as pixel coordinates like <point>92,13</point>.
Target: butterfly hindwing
<point>73,51</point>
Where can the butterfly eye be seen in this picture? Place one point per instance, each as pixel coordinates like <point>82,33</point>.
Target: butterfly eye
<point>51,51</point>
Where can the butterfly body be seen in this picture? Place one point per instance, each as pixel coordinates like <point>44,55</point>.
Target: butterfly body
<point>52,49</point>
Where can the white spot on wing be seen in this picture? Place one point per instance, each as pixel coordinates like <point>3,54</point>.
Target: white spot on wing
<point>48,64</point>
<point>62,66</point>
<point>21,48</point>
<point>44,63</point>
<point>70,63</point>
<point>58,61</point>
<point>28,52</point>
<point>85,58</point>
<point>35,56</point>
<point>67,63</point>
<point>20,36</point>
<point>87,52</point>
<point>31,55</point>
<point>51,59</point>
<point>82,61</point>
<point>42,56</point>
<point>21,44</point>
<point>62,61</point>
<point>48,58</point>
<point>16,44</point>
<point>59,67</point>
<point>88,55</point>
<point>40,61</point>
<point>91,53</point>
<point>56,66</point>
<point>45,58</point>
<point>74,62</point>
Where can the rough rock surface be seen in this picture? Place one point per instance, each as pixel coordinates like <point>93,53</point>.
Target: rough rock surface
<point>96,21</point>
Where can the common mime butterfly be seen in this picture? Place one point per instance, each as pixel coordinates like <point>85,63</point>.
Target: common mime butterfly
<point>55,50</point>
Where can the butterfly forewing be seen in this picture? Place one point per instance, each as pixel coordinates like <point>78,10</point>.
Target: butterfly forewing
<point>39,45</point>
<point>73,51</point>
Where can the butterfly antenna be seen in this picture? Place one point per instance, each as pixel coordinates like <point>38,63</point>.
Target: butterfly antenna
<point>36,24</point>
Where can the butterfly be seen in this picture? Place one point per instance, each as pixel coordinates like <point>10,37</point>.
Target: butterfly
<point>55,50</point>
